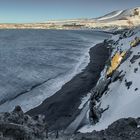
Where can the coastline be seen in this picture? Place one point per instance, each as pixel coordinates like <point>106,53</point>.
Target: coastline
<point>62,108</point>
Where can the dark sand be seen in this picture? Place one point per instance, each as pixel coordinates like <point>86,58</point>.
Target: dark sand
<point>62,108</point>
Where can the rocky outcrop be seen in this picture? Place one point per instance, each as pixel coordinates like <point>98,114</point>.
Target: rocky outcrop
<point>19,126</point>
<point>121,81</point>
<point>112,73</point>
<point>123,129</point>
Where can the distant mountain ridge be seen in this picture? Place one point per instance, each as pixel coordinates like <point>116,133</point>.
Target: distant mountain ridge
<point>117,19</point>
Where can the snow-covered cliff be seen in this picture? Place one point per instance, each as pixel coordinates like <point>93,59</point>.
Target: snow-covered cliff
<point>120,19</point>
<point>120,90</point>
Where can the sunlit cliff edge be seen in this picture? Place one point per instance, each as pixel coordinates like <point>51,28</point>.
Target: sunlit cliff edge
<point>117,19</point>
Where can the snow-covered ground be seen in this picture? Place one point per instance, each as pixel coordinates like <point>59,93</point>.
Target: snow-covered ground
<point>115,14</point>
<point>123,102</point>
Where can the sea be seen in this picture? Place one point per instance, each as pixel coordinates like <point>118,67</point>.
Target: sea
<point>35,64</point>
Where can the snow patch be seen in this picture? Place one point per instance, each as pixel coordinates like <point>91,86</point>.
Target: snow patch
<point>111,16</point>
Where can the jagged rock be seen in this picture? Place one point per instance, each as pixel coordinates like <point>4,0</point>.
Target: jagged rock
<point>136,89</point>
<point>134,58</point>
<point>127,55</point>
<point>115,75</point>
<point>19,126</point>
<point>135,70</point>
<point>128,84</point>
<point>122,129</point>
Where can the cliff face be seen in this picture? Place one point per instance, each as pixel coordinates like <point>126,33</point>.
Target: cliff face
<point>116,94</point>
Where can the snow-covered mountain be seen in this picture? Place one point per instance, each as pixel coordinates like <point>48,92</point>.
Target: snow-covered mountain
<point>120,15</point>
<point>120,90</point>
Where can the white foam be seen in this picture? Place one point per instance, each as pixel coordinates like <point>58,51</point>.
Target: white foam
<point>35,97</point>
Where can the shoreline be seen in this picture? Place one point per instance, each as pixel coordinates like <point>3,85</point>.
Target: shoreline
<point>62,108</point>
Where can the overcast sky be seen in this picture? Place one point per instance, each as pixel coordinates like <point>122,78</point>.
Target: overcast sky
<point>12,11</point>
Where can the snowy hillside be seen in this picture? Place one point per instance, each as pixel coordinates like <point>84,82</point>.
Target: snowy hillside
<point>110,15</point>
<point>121,94</point>
<point>120,15</point>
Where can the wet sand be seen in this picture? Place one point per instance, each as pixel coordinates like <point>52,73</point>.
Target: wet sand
<point>62,108</point>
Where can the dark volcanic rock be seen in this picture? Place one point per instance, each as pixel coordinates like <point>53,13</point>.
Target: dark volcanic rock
<point>135,70</point>
<point>123,129</point>
<point>128,84</point>
<point>18,126</point>
<point>134,58</point>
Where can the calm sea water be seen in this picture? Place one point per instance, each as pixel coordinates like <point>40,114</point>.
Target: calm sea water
<point>34,64</point>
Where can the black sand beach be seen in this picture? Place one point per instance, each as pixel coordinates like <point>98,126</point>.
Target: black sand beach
<point>62,108</point>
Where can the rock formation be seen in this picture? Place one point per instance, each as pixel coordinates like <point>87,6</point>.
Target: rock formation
<point>123,129</point>
<point>19,126</point>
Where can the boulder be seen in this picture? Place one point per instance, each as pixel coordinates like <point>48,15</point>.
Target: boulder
<point>19,126</point>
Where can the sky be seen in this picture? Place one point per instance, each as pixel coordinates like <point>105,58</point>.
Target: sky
<point>27,11</point>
